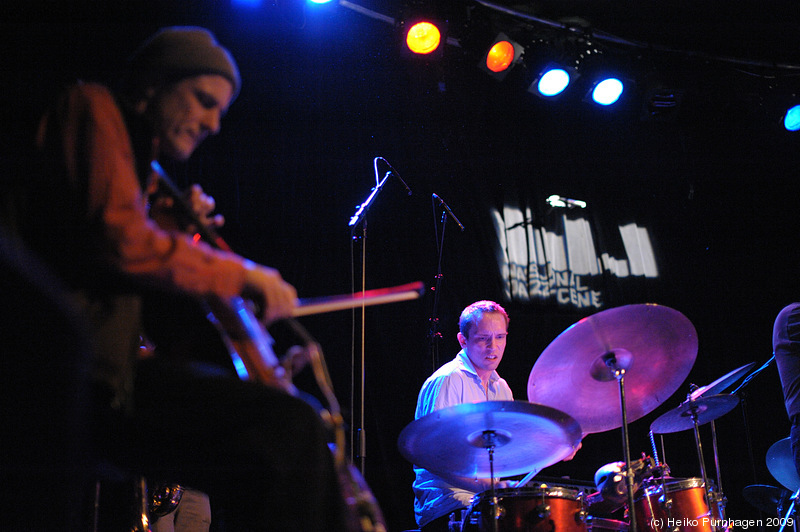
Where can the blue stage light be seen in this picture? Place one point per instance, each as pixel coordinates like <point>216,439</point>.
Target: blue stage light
<point>792,119</point>
<point>607,92</point>
<point>553,82</point>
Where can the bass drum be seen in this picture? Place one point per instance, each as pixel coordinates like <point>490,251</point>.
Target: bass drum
<point>529,509</point>
<point>679,505</point>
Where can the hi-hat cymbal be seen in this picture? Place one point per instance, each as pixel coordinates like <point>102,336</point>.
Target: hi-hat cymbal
<point>721,384</point>
<point>780,462</point>
<point>456,440</point>
<point>655,345</point>
<point>706,409</point>
<point>769,499</point>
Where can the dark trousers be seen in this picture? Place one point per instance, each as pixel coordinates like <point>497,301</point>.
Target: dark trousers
<point>261,454</point>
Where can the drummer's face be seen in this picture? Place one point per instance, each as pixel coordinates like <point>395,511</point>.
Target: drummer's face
<point>486,342</point>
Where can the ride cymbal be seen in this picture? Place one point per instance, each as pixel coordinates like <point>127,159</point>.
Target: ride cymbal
<point>656,346</point>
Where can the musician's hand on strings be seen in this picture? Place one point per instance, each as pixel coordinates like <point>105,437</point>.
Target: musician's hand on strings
<point>203,206</point>
<point>168,215</point>
<point>279,297</point>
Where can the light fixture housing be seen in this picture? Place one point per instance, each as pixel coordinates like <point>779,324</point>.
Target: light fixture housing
<point>500,56</point>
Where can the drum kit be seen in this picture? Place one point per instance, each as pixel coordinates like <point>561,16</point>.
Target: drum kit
<point>600,374</point>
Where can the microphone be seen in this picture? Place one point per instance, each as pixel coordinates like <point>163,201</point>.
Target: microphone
<point>448,211</point>
<point>394,173</point>
<point>560,201</point>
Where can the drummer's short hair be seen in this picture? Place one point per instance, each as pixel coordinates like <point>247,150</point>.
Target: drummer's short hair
<point>475,311</point>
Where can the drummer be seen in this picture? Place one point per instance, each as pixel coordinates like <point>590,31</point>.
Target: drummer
<point>471,377</point>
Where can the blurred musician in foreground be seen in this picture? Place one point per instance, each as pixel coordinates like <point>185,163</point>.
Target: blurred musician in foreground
<point>259,452</point>
<point>471,377</point>
<point>786,347</point>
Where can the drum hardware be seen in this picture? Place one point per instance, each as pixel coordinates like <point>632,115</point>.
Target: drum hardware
<point>692,414</point>
<point>703,405</point>
<point>678,505</point>
<point>717,387</point>
<point>455,521</point>
<point>652,347</point>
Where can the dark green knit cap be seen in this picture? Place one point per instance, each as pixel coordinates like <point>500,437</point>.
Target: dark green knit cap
<point>184,51</point>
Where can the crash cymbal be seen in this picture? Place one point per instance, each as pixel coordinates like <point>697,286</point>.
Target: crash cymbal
<point>769,499</point>
<point>723,383</point>
<point>706,408</point>
<point>780,462</point>
<point>655,345</point>
<point>455,440</point>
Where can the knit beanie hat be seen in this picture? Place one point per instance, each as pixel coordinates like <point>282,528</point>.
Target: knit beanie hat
<point>178,52</point>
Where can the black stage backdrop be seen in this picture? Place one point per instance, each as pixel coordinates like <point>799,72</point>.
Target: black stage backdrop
<point>714,194</point>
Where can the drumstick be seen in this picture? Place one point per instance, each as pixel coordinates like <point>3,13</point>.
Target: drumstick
<point>378,296</point>
<point>524,480</point>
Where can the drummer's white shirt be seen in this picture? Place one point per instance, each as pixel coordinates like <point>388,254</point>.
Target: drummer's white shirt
<point>455,383</point>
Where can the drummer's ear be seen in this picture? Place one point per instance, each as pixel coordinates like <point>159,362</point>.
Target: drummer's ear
<point>462,340</point>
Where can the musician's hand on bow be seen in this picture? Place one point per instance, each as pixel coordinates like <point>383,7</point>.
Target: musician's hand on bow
<point>279,297</point>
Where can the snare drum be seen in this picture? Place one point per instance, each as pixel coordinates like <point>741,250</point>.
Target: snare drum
<point>545,508</point>
<point>683,508</point>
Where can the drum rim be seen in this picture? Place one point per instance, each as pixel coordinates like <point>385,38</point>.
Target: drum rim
<point>619,525</point>
<point>676,484</point>
<point>551,491</point>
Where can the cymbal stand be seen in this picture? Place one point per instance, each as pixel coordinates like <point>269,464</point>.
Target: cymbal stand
<point>787,517</point>
<point>699,445</point>
<point>489,437</point>
<point>720,493</point>
<point>626,446</point>
<point>607,368</point>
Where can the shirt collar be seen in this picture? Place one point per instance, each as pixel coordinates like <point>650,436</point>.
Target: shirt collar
<point>470,368</point>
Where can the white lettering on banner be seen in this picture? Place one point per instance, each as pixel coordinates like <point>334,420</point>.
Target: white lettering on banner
<point>537,264</point>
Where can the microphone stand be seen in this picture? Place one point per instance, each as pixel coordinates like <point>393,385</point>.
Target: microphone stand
<point>434,335</point>
<point>360,217</point>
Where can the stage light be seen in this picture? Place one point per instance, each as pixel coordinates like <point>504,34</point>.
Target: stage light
<point>553,82</point>
<point>423,37</point>
<point>319,1</point>
<point>501,56</point>
<point>791,120</point>
<point>607,91</point>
